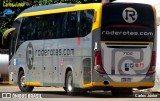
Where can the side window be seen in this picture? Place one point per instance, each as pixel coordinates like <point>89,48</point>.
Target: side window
<point>27,30</point>
<point>72,24</point>
<point>48,26</point>
<point>86,21</point>
<point>64,25</point>
<point>39,29</point>
<point>53,26</point>
<point>31,28</point>
<point>52,29</point>
<point>69,25</point>
<point>57,22</point>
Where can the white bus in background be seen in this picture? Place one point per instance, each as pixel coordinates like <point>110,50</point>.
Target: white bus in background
<point>155,3</point>
<point>4,60</point>
<point>156,88</point>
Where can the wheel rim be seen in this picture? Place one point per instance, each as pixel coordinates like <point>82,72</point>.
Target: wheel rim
<point>22,81</point>
<point>69,83</point>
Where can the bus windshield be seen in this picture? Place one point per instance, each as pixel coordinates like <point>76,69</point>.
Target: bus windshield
<point>13,37</point>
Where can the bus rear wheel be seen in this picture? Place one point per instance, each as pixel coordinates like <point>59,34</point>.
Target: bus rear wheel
<point>21,81</point>
<point>69,84</point>
<point>70,89</point>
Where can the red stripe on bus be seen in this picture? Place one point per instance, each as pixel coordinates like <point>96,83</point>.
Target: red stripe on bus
<point>78,40</point>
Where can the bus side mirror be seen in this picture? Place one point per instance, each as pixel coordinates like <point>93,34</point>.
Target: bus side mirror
<point>5,38</point>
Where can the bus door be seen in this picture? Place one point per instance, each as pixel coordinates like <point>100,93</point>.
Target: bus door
<point>55,67</point>
<point>127,41</point>
<point>49,62</point>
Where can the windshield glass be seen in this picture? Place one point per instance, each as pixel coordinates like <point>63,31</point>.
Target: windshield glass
<point>13,36</point>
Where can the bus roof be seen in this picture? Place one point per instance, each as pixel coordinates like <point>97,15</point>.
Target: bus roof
<point>56,8</point>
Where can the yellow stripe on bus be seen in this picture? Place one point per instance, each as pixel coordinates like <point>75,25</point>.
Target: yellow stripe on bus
<point>115,84</point>
<point>127,42</point>
<point>60,10</point>
<point>97,17</point>
<point>32,83</point>
<point>154,10</point>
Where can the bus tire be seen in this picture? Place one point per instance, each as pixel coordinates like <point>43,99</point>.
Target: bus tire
<point>121,91</point>
<point>65,89</point>
<point>70,89</point>
<point>21,85</point>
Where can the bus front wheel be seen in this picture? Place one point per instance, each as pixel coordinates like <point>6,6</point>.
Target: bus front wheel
<point>21,83</point>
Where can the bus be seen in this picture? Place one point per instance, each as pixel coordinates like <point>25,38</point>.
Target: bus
<point>84,47</point>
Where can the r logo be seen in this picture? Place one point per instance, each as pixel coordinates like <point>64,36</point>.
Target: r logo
<point>29,56</point>
<point>130,15</point>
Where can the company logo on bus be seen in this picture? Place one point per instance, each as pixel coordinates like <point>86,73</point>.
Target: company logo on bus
<point>130,15</point>
<point>29,55</point>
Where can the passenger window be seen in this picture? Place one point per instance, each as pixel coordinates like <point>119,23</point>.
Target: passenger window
<point>65,26</point>
<point>57,24</point>
<point>69,25</point>
<point>39,28</point>
<point>72,21</point>
<point>60,25</point>
<point>86,20</point>
<point>27,31</point>
<point>48,27</point>
<point>31,29</point>
<point>52,26</point>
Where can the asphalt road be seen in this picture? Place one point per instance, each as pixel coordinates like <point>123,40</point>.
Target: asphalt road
<point>56,94</point>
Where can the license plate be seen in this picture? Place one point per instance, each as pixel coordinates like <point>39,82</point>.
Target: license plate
<point>120,54</point>
<point>126,79</point>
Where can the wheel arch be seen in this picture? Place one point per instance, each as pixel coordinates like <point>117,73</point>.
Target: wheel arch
<point>21,68</point>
